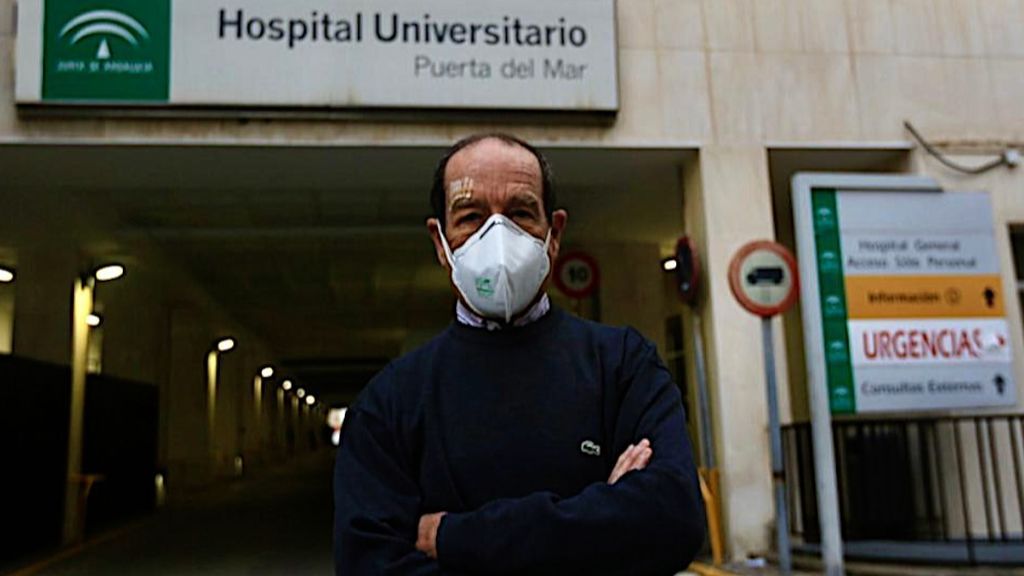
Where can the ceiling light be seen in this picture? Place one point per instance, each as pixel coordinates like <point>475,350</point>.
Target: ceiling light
<point>267,371</point>
<point>300,392</point>
<point>6,275</point>
<point>669,264</point>
<point>226,344</point>
<point>94,320</point>
<point>109,272</point>
<point>287,385</point>
<point>310,399</point>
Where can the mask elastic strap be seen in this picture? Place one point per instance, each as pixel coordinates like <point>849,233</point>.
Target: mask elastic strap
<point>451,264</point>
<point>447,250</point>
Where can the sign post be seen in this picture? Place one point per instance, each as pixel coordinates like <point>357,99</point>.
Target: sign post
<point>688,277</point>
<point>688,273</point>
<point>763,278</point>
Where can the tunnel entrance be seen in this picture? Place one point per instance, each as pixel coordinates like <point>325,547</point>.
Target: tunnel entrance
<point>312,260</point>
<point>321,252</point>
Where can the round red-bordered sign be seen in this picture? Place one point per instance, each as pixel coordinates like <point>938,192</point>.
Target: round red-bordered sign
<point>763,277</point>
<point>577,275</point>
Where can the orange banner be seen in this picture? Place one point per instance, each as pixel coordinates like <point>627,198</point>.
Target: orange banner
<point>924,297</point>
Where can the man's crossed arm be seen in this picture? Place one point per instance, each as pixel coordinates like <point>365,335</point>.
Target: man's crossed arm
<point>634,457</point>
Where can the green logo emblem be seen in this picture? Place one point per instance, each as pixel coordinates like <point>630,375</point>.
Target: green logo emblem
<point>110,50</point>
<point>484,287</point>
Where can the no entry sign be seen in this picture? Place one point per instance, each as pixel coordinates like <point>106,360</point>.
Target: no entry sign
<point>763,278</point>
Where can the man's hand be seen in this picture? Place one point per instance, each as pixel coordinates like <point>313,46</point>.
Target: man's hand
<point>635,457</point>
<point>426,540</point>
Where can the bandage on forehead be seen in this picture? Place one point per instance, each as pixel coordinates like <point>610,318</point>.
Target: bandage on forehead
<point>460,189</point>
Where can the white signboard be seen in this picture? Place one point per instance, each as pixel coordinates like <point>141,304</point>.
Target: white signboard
<point>487,54</point>
<point>904,308</point>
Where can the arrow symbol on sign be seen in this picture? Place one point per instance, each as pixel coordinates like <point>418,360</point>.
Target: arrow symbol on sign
<point>1000,383</point>
<point>990,297</point>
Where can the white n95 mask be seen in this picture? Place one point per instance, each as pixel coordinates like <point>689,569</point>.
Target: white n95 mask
<point>500,268</point>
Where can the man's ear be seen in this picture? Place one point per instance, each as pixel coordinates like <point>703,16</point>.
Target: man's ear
<point>559,218</point>
<point>434,228</point>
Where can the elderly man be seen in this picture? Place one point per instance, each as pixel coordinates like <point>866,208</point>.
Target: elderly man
<point>520,440</point>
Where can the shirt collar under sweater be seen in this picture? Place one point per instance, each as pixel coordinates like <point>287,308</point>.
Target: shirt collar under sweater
<point>468,317</point>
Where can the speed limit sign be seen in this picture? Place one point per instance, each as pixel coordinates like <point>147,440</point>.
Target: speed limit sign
<point>576,275</point>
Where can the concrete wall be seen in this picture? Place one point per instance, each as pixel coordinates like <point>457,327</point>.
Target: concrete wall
<point>729,78</point>
<point>715,72</point>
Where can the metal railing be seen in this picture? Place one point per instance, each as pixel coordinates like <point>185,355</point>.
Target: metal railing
<point>942,489</point>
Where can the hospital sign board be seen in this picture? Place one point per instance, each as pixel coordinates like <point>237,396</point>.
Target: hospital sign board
<point>909,307</point>
<point>530,55</point>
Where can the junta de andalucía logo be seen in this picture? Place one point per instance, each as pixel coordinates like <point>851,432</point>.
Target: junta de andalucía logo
<point>112,50</point>
<point>104,24</point>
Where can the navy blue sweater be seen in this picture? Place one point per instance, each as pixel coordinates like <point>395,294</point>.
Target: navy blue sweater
<point>502,430</point>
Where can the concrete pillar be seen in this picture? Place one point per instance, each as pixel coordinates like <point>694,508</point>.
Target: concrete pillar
<point>186,437</point>
<point>294,445</point>
<point>312,420</point>
<point>42,315</point>
<point>280,425</point>
<point>250,406</point>
<point>243,398</point>
<point>225,425</point>
<point>267,413</point>
<point>251,416</point>
<point>6,318</point>
<point>728,192</point>
<point>94,355</point>
<point>301,440</point>
<point>74,527</point>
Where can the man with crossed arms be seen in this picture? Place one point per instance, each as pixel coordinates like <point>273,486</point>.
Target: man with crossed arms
<point>520,440</point>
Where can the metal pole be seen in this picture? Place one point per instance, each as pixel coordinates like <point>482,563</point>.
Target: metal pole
<point>817,373</point>
<point>825,480</point>
<point>709,474</point>
<point>778,474</point>
<point>707,448</point>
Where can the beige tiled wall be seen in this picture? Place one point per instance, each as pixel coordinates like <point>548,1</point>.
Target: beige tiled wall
<point>724,72</point>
